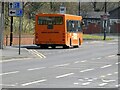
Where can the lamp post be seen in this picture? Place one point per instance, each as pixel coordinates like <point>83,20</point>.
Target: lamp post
<point>105,21</point>
<point>79,8</point>
<point>1,25</point>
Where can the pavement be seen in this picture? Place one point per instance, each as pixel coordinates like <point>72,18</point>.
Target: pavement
<point>10,52</point>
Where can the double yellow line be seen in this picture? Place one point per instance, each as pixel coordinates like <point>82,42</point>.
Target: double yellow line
<point>36,53</point>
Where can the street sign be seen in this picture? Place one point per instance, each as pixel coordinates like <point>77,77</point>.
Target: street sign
<point>62,10</point>
<point>16,9</point>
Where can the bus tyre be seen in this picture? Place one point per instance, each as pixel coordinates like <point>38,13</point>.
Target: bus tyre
<point>65,47</point>
<point>71,46</point>
<point>44,46</point>
<point>53,47</point>
<point>79,43</point>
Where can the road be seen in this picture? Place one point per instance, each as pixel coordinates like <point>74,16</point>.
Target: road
<point>93,65</point>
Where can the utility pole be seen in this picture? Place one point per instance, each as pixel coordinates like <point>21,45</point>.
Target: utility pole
<point>11,31</point>
<point>1,25</point>
<point>79,8</point>
<point>105,21</point>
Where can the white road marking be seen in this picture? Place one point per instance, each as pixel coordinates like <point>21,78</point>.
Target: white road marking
<point>84,61</point>
<point>107,81</point>
<point>80,79</point>
<point>76,83</point>
<point>103,84</point>
<point>40,54</point>
<point>90,80</point>
<point>11,60</point>
<point>117,85</point>
<point>115,72</point>
<point>11,85</point>
<point>35,68</point>
<point>99,58</point>
<point>37,53</point>
<point>61,65</point>
<point>87,70</point>
<point>77,62</point>
<point>34,82</point>
<point>64,75</point>
<point>109,74</point>
<point>117,63</point>
<point>112,43</point>
<point>102,76</point>
<point>111,56</point>
<point>9,73</point>
<point>106,66</point>
<point>86,83</point>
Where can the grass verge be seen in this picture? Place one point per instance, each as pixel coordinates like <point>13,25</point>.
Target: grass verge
<point>94,37</point>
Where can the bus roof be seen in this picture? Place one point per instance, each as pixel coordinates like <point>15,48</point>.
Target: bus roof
<point>58,14</point>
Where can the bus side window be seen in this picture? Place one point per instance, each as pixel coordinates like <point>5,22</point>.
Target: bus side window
<point>68,26</point>
<point>79,26</point>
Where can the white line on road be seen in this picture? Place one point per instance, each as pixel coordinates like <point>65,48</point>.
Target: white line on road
<point>117,63</point>
<point>84,61</point>
<point>34,82</point>
<point>87,70</point>
<point>11,85</point>
<point>106,66</point>
<point>9,73</point>
<point>109,74</point>
<point>39,54</point>
<point>76,83</point>
<point>117,85</point>
<point>35,68</point>
<point>99,58</point>
<point>61,65</point>
<point>111,56</point>
<point>107,81</point>
<point>115,72</point>
<point>77,62</point>
<point>103,84</point>
<point>86,83</point>
<point>11,60</point>
<point>102,76</point>
<point>60,76</point>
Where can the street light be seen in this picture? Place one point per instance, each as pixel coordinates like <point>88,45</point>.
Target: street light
<point>79,8</point>
<point>105,21</point>
<point>1,25</point>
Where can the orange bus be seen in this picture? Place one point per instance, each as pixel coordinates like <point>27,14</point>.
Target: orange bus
<point>58,30</point>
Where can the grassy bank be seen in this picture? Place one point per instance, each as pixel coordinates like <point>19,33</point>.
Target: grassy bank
<point>94,37</point>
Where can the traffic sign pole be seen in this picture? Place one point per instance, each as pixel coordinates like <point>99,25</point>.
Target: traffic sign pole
<point>11,31</point>
<point>20,29</point>
<point>16,10</point>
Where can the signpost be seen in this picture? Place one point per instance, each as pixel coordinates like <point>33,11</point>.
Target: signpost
<point>16,10</point>
<point>62,9</point>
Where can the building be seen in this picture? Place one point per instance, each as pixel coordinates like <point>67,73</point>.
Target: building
<point>115,20</point>
<point>93,23</point>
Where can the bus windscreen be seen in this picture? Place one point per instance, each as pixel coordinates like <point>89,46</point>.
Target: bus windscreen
<point>44,20</point>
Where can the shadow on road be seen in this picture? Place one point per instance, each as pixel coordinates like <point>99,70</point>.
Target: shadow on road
<point>38,47</point>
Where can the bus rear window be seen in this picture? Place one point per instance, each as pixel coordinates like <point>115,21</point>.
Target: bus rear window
<point>50,20</point>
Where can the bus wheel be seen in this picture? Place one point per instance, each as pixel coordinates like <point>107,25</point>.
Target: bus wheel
<point>71,46</point>
<point>65,47</point>
<point>53,47</point>
<point>70,42</point>
<point>44,46</point>
<point>79,43</point>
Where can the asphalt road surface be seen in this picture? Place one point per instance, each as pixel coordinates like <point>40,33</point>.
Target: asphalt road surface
<point>93,65</point>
